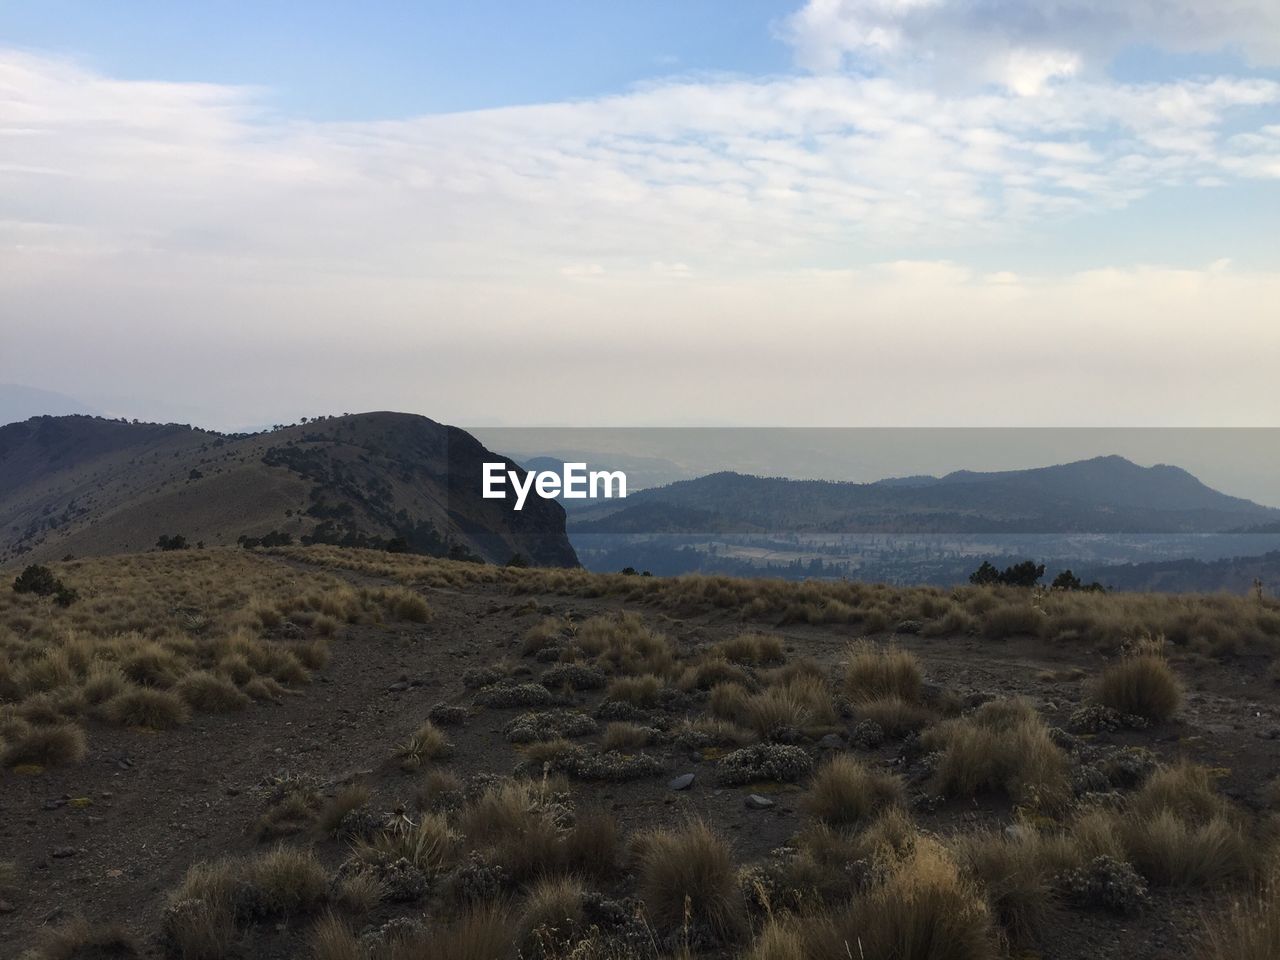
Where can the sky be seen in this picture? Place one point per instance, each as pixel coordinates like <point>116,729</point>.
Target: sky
<point>833,213</point>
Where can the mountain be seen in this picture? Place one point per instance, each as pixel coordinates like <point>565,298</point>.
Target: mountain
<point>18,402</point>
<point>1101,495</point>
<point>90,486</point>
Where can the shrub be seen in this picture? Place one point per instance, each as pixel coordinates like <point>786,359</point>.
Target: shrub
<point>147,707</point>
<point>1015,874</point>
<point>1248,930</point>
<point>626,736</point>
<point>894,716</point>
<point>924,910</point>
<point>845,791</point>
<point>640,691</point>
<point>764,762</point>
<point>37,579</point>
<point>1012,620</point>
<point>1003,746</point>
<point>688,873</point>
<point>788,708</point>
<point>426,743</point>
<point>1170,851</point>
<point>210,693</point>
<point>757,649</point>
<point>552,912</point>
<point>50,745</point>
<point>78,939</point>
<point>349,798</point>
<point>1142,685</point>
<point>1105,883</point>
<point>875,673</point>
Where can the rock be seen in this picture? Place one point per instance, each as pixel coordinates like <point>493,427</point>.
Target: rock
<point>6,907</point>
<point>831,741</point>
<point>61,853</point>
<point>682,782</point>
<point>756,802</point>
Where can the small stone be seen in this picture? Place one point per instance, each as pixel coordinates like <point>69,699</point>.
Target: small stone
<point>756,802</point>
<point>682,782</point>
<point>6,907</point>
<point>61,853</point>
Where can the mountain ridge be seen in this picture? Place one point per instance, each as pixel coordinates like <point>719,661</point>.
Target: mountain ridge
<point>88,486</point>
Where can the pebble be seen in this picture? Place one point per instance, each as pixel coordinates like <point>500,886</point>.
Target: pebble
<point>682,782</point>
<point>60,853</point>
<point>756,802</point>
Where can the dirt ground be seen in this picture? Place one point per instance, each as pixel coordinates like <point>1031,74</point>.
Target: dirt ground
<point>109,838</point>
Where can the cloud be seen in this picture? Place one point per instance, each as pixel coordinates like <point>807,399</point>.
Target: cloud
<point>179,241</point>
<point>1022,44</point>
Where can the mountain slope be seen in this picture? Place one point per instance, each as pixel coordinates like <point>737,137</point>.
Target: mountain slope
<point>88,486</point>
<point>1101,495</point>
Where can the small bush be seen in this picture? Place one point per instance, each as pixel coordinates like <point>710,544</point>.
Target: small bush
<point>874,673</point>
<point>147,707</point>
<point>626,736</point>
<point>426,743</point>
<point>77,939</point>
<point>688,873</point>
<point>640,691</point>
<point>349,798</point>
<point>894,716</point>
<point>845,791</point>
<point>1248,930</point>
<point>756,649</point>
<point>552,913</point>
<point>774,762</point>
<point>52,745</point>
<point>211,693</point>
<point>1142,685</point>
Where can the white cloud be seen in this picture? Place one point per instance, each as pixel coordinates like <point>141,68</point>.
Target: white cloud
<point>175,240</point>
<point>1022,44</point>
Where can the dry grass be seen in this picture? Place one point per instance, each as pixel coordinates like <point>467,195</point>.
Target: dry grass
<point>147,707</point>
<point>1003,746</point>
<point>78,939</point>
<point>348,799</point>
<point>924,910</point>
<point>1247,930</point>
<point>1143,685</point>
<point>1015,873</point>
<point>552,912</point>
<point>688,873</point>
<point>51,745</point>
<point>896,716</point>
<point>845,791</point>
<point>639,691</point>
<point>1192,622</point>
<point>625,736</point>
<point>425,744</point>
<point>800,703</point>
<point>756,649</point>
<point>874,673</point>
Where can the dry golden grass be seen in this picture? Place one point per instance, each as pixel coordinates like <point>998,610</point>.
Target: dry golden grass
<point>625,736</point>
<point>552,912</point>
<point>639,691</point>
<point>1143,685</point>
<point>756,649</point>
<point>1249,929</point>
<point>924,910</point>
<point>845,791</point>
<point>875,673</point>
<point>77,939</point>
<point>154,636</point>
<point>425,744</point>
<point>688,872</point>
<point>896,716</point>
<point>1194,622</point>
<point>799,703</point>
<point>1003,746</point>
<point>1015,874</point>
<point>348,798</point>
<point>50,745</point>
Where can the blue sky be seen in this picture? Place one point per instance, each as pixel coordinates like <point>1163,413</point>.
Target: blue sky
<point>328,60</point>
<point>238,213</point>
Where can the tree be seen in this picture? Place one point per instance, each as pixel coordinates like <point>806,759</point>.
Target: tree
<point>985,575</point>
<point>1066,580</point>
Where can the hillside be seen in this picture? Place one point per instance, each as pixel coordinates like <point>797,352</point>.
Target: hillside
<point>1100,495</point>
<point>321,753</point>
<point>86,486</point>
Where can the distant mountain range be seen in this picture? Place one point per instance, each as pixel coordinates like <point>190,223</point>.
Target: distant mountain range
<point>85,486</point>
<point>1101,495</point>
